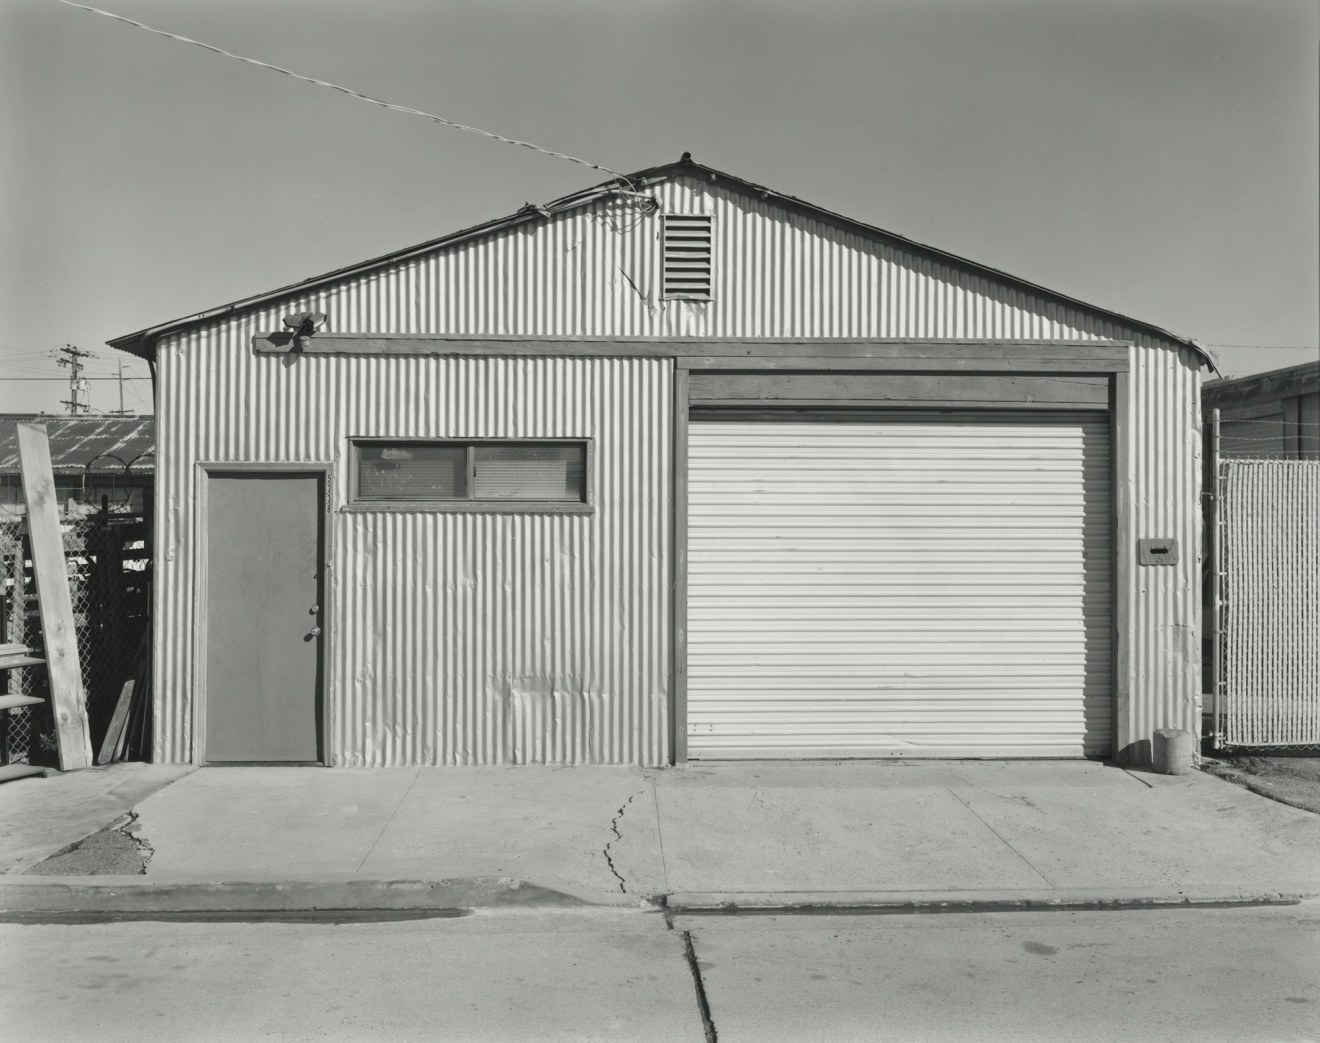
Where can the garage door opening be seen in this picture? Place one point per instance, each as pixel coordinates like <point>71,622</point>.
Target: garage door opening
<point>919,585</point>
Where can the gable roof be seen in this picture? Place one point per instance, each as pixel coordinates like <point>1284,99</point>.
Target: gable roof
<point>142,342</point>
<point>115,445</point>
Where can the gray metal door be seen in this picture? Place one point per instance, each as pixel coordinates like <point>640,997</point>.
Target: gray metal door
<point>263,597</point>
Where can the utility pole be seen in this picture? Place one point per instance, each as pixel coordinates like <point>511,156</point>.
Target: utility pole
<point>121,411</point>
<point>72,357</point>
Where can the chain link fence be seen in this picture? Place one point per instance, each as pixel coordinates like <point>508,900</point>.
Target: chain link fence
<point>107,558</point>
<point>1269,531</point>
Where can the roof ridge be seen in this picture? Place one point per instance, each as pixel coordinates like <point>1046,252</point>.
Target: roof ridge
<point>141,342</point>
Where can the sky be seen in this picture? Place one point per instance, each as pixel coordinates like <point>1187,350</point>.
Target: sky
<point>1157,158</point>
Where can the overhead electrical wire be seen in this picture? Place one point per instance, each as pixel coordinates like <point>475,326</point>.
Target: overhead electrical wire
<point>1270,347</point>
<point>18,353</point>
<point>351,93</point>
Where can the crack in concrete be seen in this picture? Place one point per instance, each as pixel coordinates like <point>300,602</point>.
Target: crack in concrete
<point>614,827</point>
<point>660,836</point>
<point>126,826</point>
<point>1025,861</point>
<point>703,1004</point>
<point>397,806</point>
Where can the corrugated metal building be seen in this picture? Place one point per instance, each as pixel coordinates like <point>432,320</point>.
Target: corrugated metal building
<point>677,467</point>
<point>92,456</point>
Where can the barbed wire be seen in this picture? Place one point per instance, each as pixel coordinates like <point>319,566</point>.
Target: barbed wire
<point>1269,423</point>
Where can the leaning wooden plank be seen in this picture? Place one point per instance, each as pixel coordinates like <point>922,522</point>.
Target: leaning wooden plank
<point>140,665</point>
<point>142,732</point>
<point>120,717</point>
<point>124,746</point>
<point>117,721</point>
<point>61,641</point>
<point>120,750</point>
<point>140,737</point>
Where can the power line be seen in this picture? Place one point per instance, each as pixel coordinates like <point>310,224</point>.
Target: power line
<point>1271,347</point>
<point>140,397</point>
<point>21,353</point>
<point>34,366</point>
<point>351,93</point>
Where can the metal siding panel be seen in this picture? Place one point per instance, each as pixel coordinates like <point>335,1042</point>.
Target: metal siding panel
<point>918,586</point>
<point>1260,436</point>
<point>1165,666</point>
<point>594,272</point>
<point>454,638</point>
<point>1308,426</point>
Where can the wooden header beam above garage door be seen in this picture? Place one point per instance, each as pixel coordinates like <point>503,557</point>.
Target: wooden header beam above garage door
<point>910,390</point>
<point>802,373</point>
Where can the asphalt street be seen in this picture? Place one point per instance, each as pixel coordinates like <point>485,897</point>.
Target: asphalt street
<point>1175,974</point>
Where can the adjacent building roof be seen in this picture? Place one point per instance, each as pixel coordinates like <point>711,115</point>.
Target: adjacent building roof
<point>1287,382</point>
<point>114,445</point>
<point>142,343</point>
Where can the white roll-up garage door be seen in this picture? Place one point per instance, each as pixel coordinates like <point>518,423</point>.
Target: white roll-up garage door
<point>920,585</point>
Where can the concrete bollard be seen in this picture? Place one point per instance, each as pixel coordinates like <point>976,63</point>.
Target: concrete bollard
<point>1172,751</point>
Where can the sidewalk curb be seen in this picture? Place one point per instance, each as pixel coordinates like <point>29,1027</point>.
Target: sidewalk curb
<point>1080,899</point>
<point>140,894</point>
<point>144,895</point>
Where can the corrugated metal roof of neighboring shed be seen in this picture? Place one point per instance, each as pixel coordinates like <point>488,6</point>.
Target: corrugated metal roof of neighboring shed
<point>141,343</point>
<point>109,444</point>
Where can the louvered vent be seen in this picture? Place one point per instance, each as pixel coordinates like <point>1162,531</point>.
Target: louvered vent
<point>687,257</point>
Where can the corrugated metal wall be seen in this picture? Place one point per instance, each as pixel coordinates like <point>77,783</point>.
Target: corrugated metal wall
<point>1306,437</point>
<point>594,272</point>
<point>1163,459</point>
<point>452,638</point>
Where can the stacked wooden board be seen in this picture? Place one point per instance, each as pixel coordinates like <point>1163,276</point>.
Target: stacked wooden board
<point>129,731</point>
<point>11,658</point>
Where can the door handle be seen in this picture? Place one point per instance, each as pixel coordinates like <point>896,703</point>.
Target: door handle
<point>315,631</point>
<point>314,609</point>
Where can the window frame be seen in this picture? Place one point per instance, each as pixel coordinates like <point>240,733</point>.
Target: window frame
<point>471,505</point>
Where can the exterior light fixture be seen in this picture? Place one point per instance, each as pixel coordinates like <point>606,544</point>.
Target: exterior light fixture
<point>304,323</point>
